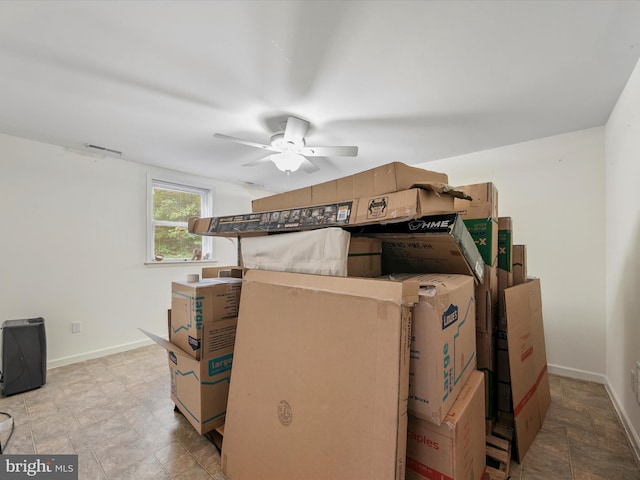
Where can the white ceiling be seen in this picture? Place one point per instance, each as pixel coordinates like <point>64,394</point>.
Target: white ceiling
<point>405,81</point>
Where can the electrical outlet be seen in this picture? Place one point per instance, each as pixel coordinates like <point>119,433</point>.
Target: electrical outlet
<point>76,327</point>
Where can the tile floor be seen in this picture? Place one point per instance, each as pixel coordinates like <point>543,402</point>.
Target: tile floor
<point>116,414</point>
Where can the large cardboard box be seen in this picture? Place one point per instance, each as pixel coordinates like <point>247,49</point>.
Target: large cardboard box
<point>519,264</point>
<point>200,388</point>
<point>376,181</point>
<point>322,252</point>
<point>455,450</point>
<point>195,309</point>
<point>320,378</point>
<point>401,206</point>
<point>530,392</point>
<point>443,344</point>
<point>430,244</point>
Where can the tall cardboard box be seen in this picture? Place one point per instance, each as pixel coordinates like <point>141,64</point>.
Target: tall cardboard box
<point>530,393</point>
<point>443,343</point>
<point>480,215</point>
<point>505,253</point>
<point>200,388</point>
<point>195,306</point>
<point>320,379</point>
<point>455,450</point>
<point>388,178</point>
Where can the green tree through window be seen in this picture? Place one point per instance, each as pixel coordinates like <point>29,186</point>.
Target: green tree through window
<point>173,205</point>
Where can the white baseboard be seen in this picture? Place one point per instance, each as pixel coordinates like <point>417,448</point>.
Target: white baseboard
<point>577,374</point>
<point>632,435</point>
<point>60,362</point>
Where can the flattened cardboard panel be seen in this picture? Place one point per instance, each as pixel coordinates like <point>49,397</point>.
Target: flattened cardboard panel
<point>527,361</point>
<point>320,379</point>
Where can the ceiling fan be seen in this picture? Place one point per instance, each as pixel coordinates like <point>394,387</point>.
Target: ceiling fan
<point>290,148</point>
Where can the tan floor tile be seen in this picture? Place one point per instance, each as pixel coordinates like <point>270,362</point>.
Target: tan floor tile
<point>21,441</point>
<point>175,459</point>
<point>197,472</point>
<point>147,468</point>
<point>119,456</point>
<point>56,446</point>
<point>597,461</point>
<point>88,467</point>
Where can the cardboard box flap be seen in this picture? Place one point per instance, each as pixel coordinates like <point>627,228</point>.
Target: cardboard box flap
<point>442,189</point>
<point>527,361</point>
<point>167,345</point>
<point>364,287</point>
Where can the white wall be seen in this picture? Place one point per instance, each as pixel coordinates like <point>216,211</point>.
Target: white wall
<point>73,243</point>
<point>622,142</point>
<point>553,190</point>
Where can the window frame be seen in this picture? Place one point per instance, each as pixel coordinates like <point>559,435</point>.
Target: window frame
<point>206,210</point>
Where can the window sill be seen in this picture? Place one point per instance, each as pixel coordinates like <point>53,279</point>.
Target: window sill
<point>180,263</point>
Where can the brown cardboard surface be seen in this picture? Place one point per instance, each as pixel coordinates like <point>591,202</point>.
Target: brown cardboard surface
<point>215,272</point>
<point>320,378</point>
<point>457,448</point>
<point>364,258</point>
<point>199,388</point>
<point>379,180</point>
<point>519,264</point>
<point>195,306</point>
<point>527,361</point>
<point>483,203</point>
<point>443,344</point>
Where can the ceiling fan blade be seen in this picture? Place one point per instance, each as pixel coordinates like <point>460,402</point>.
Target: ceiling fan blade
<point>329,151</point>
<point>245,142</point>
<point>257,162</point>
<point>309,167</point>
<point>295,130</point>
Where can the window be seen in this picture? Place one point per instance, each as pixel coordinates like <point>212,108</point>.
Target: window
<point>170,207</point>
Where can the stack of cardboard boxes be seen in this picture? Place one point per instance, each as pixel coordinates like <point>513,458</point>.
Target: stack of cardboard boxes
<point>363,376</point>
<point>202,329</point>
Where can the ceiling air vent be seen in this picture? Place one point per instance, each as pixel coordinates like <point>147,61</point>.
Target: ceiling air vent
<point>103,150</point>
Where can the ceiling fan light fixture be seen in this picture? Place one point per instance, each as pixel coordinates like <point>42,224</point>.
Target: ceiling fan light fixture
<point>287,161</point>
